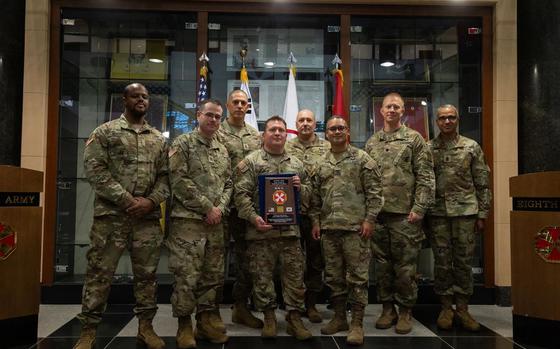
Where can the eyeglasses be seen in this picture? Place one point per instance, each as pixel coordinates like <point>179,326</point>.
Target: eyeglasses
<point>447,118</point>
<point>337,128</point>
<point>212,116</point>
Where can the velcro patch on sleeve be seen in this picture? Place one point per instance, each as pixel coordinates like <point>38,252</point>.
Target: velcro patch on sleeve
<point>172,151</point>
<point>91,139</point>
<point>370,165</point>
<point>242,167</point>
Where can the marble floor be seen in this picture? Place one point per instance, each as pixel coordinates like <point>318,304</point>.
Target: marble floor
<point>58,328</point>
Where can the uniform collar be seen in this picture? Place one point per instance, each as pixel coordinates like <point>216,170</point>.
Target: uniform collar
<point>399,133</point>
<point>231,130</point>
<point>458,142</point>
<point>268,156</point>
<point>201,139</point>
<point>350,152</point>
<point>123,123</point>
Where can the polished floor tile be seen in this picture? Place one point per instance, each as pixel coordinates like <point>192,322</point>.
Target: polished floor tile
<point>325,342</point>
<point>110,326</point>
<point>401,342</point>
<point>481,343</point>
<point>427,315</point>
<point>68,343</point>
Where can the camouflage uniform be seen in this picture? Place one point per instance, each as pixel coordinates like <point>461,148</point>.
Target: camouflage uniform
<point>309,154</point>
<point>408,186</point>
<point>280,244</point>
<point>239,144</point>
<point>200,176</point>
<point>121,163</point>
<point>462,196</point>
<point>346,192</point>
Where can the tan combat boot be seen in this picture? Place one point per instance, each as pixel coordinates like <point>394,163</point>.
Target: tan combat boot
<point>216,320</point>
<point>310,309</point>
<point>205,330</point>
<point>338,322</point>
<point>269,328</point>
<point>388,316</point>
<point>87,337</point>
<point>445,318</point>
<point>296,327</point>
<point>185,337</point>
<point>147,335</point>
<point>404,324</point>
<point>463,316</point>
<point>356,335</point>
<point>241,315</point>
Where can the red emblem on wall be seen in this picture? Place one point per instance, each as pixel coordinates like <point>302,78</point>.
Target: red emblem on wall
<point>279,197</point>
<point>547,244</point>
<point>8,241</point>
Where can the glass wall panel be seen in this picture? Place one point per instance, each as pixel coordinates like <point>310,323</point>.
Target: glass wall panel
<point>430,62</point>
<point>102,52</point>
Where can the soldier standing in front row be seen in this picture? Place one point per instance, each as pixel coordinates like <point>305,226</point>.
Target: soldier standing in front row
<point>201,184</point>
<point>309,148</point>
<point>462,203</point>
<point>346,199</point>
<point>269,245</point>
<point>125,162</point>
<point>408,188</point>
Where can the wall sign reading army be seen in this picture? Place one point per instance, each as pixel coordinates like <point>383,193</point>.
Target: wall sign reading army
<point>19,199</point>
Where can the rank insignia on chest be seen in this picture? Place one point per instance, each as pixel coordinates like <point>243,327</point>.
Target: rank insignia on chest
<point>246,146</point>
<point>337,172</point>
<point>446,158</point>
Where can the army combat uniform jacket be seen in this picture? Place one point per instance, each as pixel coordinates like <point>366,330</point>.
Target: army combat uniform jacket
<point>247,192</point>
<point>200,176</point>
<point>240,143</point>
<point>462,178</point>
<point>407,170</point>
<point>121,162</point>
<point>345,192</point>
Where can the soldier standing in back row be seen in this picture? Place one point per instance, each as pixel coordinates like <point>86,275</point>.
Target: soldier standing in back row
<point>408,189</point>
<point>462,203</point>
<point>201,184</point>
<point>346,199</point>
<point>240,140</point>
<point>125,162</point>
<point>309,148</point>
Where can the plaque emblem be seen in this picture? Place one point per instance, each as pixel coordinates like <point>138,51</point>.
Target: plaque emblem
<point>8,241</point>
<point>547,244</point>
<point>279,197</point>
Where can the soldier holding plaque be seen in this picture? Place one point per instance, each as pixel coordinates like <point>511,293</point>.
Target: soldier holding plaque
<point>273,235</point>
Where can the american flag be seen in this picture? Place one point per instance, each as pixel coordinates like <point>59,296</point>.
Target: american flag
<point>202,86</point>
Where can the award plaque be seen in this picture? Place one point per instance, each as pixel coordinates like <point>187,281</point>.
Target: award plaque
<point>279,201</point>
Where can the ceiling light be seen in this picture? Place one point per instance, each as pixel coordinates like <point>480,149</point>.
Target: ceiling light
<point>156,60</point>
<point>387,64</point>
<point>269,64</point>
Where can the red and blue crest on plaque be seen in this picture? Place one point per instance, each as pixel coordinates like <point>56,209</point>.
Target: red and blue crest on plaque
<point>547,244</point>
<point>8,241</point>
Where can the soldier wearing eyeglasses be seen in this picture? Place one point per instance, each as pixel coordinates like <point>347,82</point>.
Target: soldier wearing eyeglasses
<point>201,185</point>
<point>408,189</point>
<point>346,198</point>
<point>462,203</point>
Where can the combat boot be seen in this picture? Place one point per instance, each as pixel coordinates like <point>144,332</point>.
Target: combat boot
<point>388,316</point>
<point>338,322</point>
<point>463,316</point>
<point>205,330</point>
<point>216,320</point>
<point>445,318</point>
<point>296,327</point>
<point>147,335</point>
<point>310,309</point>
<point>269,328</point>
<point>185,337</point>
<point>87,337</point>
<point>356,335</point>
<point>241,315</point>
<point>404,324</point>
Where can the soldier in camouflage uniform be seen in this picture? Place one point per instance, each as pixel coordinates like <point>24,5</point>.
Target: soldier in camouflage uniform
<point>461,205</point>
<point>125,162</point>
<point>240,140</point>
<point>269,245</point>
<point>408,189</point>
<point>346,198</point>
<point>200,176</point>
<point>309,148</point>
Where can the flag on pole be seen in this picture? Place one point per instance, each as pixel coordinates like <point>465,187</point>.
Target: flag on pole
<point>338,100</point>
<point>202,85</point>
<point>291,105</point>
<point>250,115</point>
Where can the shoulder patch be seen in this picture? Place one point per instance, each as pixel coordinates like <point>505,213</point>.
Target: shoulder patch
<point>91,139</point>
<point>370,165</point>
<point>242,167</point>
<point>172,151</point>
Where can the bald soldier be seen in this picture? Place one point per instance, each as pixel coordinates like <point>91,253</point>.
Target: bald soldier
<point>462,203</point>
<point>309,148</point>
<point>125,161</point>
<point>408,189</point>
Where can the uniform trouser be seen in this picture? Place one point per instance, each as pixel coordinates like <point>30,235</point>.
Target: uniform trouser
<point>453,243</point>
<point>263,256</point>
<point>243,285</point>
<point>196,259</point>
<point>314,264</point>
<point>347,258</point>
<point>396,244</point>
<point>110,236</point>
